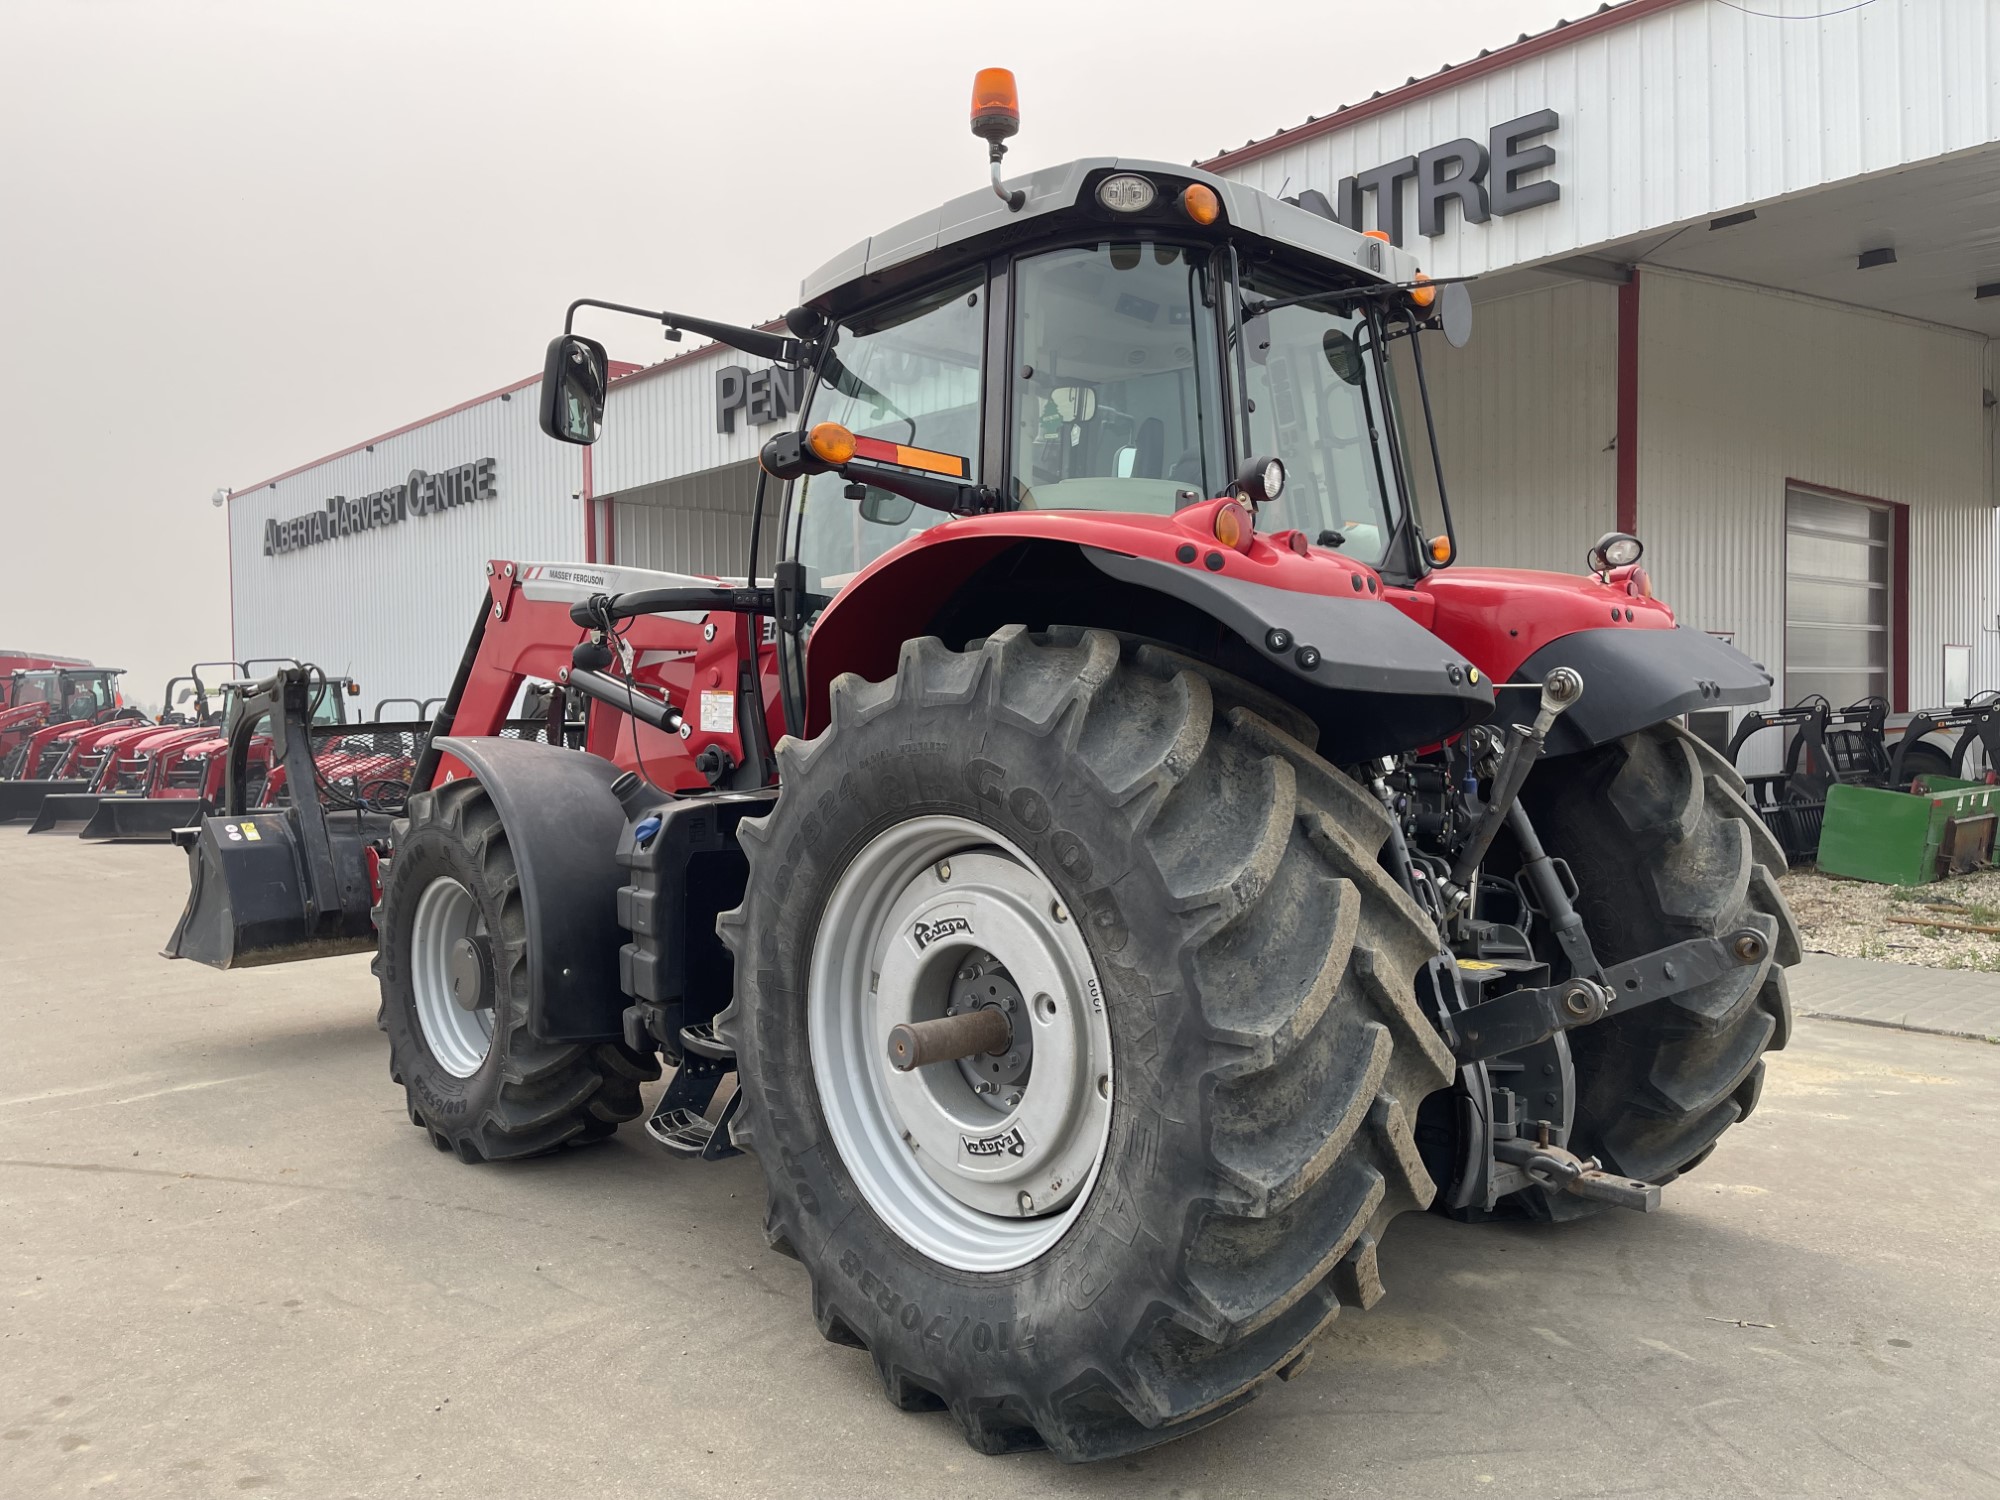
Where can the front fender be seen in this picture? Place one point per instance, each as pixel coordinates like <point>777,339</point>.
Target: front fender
<point>1633,679</point>
<point>563,825</point>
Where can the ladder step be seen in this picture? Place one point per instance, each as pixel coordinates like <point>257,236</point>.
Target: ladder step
<point>703,1042</point>
<point>681,1131</point>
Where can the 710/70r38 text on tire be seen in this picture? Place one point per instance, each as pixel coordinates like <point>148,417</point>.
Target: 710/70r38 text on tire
<point>1267,1054</point>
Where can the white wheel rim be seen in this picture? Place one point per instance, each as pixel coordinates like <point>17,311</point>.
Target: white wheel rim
<point>458,1038</point>
<point>976,1181</point>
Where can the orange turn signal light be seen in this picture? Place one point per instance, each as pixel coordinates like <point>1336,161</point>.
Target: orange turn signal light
<point>831,443</point>
<point>1423,294</point>
<point>1376,234</point>
<point>1232,526</point>
<point>1198,202</point>
<point>1440,549</point>
<point>996,104</point>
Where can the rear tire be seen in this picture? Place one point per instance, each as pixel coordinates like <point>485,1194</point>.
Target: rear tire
<point>516,1096</point>
<point>1267,1051</point>
<point>1664,847</point>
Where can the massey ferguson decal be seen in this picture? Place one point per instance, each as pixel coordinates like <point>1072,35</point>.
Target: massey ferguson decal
<point>421,494</point>
<point>1007,1143</point>
<point>926,933</point>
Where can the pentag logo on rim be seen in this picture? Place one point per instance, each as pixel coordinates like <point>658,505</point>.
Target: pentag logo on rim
<point>1007,1143</point>
<point>923,934</point>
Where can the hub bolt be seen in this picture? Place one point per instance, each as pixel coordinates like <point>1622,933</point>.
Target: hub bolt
<point>944,869</point>
<point>1056,911</point>
<point>1027,1202</point>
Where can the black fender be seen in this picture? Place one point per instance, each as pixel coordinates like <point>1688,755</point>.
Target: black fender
<point>1633,679</point>
<point>564,824</point>
<point>1335,651</point>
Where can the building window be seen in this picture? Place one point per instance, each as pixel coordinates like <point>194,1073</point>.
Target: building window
<point>1839,609</point>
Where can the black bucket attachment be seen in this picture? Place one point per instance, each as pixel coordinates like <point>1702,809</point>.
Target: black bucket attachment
<point>65,812</point>
<point>140,820</point>
<point>259,894</point>
<point>21,801</point>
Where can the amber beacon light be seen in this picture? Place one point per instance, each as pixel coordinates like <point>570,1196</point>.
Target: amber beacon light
<point>996,115</point>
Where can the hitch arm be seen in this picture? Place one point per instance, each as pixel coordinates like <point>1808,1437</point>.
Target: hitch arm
<point>1521,1018</point>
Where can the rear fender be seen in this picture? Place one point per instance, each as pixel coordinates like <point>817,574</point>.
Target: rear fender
<point>1374,681</point>
<point>564,825</point>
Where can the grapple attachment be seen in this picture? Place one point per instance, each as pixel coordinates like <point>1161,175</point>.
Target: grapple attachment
<point>264,890</point>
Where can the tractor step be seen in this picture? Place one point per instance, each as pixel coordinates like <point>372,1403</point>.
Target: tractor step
<point>687,1132</point>
<point>703,1042</point>
<point>681,1131</point>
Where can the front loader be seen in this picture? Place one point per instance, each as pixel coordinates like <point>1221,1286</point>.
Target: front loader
<point>1120,858</point>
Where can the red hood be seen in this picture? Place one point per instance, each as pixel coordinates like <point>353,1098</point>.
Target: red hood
<point>1499,617</point>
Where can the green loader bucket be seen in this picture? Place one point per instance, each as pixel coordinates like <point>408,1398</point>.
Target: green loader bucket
<point>1905,838</point>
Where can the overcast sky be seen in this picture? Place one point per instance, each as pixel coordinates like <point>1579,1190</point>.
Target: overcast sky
<point>236,235</point>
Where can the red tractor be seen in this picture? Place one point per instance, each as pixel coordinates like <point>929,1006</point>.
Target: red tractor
<point>1123,860</point>
<point>15,663</point>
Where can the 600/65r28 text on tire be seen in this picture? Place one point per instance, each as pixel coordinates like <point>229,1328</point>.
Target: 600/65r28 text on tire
<point>452,959</point>
<point>1173,1186</point>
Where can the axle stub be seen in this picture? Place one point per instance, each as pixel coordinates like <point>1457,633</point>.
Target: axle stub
<point>917,1044</point>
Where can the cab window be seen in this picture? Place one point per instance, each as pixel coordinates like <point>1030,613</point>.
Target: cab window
<point>1115,406</point>
<point>908,375</point>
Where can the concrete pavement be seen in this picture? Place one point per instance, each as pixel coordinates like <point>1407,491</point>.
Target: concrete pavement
<point>229,1265</point>
<point>1946,1002</point>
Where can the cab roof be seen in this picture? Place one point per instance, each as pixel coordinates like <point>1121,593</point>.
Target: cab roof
<point>976,222</point>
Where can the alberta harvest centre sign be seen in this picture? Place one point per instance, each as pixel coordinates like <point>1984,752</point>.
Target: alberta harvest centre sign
<point>422,494</point>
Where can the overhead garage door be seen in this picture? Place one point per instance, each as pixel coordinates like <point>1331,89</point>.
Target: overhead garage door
<point>1837,598</point>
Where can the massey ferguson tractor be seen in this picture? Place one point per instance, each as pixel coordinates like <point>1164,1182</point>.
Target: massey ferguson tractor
<point>1121,857</point>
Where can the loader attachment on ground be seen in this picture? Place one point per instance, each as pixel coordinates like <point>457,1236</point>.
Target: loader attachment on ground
<point>21,801</point>
<point>65,812</point>
<point>140,820</point>
<point>264,890</point>
<point>279,883</point>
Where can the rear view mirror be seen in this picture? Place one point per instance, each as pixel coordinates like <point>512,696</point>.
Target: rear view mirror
<point>1343,355</point>
<point>885,509</point>
<point>1074,403</point>
<point>1455,313</point>
<point>573,383</point>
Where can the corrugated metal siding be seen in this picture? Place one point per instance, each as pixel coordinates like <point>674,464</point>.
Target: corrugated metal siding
<point>393,606</point>
<point>661,425</point>
<point>1526,415</point>
<point>696,524</point>
<point>1686,113</point>
<point>1744,389</point>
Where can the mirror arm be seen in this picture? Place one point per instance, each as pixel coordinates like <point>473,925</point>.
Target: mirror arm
<point>773,346</point>
<point>928,490</point>
<point>1430,427</point>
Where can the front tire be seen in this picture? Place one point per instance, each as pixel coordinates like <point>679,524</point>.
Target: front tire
<point>453,959</point>
<point>1664,847</point>
<point>1266,1054</point>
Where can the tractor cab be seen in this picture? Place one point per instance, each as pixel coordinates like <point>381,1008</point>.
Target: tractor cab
<point>1107,335</point>
<point>71,692</point>
<point>1135,337</point>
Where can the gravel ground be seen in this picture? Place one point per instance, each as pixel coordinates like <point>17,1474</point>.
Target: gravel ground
<point>1852,918</point>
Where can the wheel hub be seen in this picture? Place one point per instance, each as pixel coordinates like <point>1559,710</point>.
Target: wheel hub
<point>982,1161</point>
<point>451,965</point>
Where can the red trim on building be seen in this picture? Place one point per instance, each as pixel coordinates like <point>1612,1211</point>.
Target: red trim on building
<point>1449,76</point>
<point>1899,607</point>
<point>1628,405</point>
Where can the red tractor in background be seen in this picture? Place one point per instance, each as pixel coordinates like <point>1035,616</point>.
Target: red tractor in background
<point>1122,858</point>
<point>13,663</point>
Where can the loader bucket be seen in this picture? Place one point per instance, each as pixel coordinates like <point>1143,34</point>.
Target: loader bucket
<point>140,820</point>
<point>65,812</point>
<point>251,884</point>
<point>21,800</point>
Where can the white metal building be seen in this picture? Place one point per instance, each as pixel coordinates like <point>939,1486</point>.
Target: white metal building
<point>1740,286</point>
